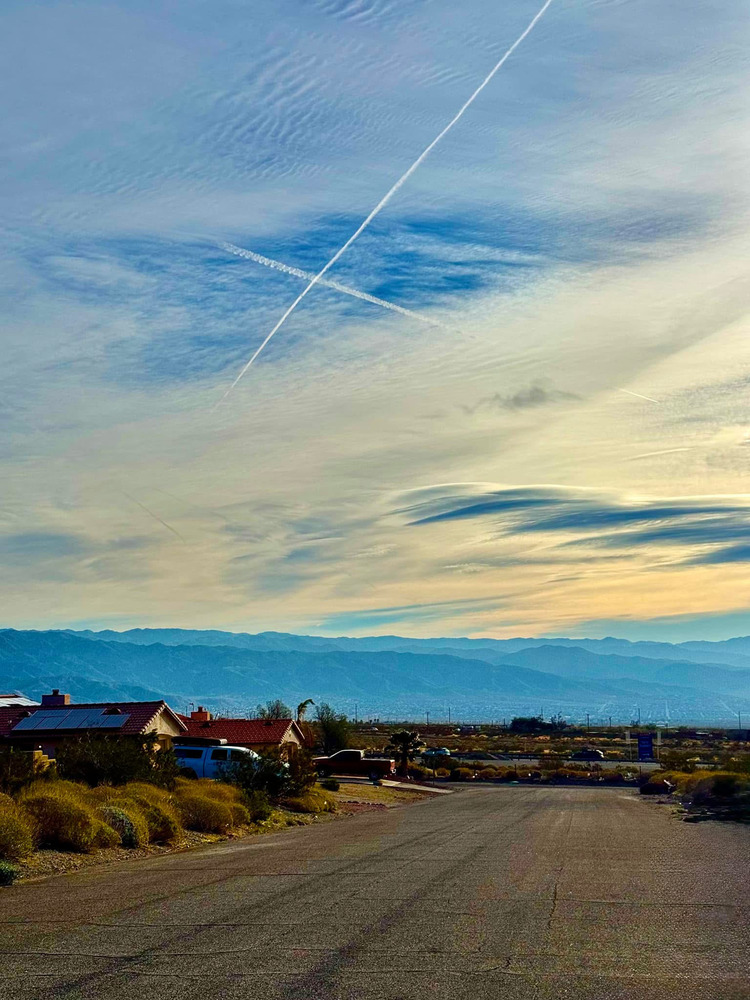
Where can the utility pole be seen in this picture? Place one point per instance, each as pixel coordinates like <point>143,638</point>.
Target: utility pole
<point>356,710</point>
<point>428,718</point>
<point>449,715</point>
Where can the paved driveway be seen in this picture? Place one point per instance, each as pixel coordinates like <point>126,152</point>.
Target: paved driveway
<point>499,892</point>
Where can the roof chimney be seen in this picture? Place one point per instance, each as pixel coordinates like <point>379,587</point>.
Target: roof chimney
<point>55,699</point>
<point>200,715</point>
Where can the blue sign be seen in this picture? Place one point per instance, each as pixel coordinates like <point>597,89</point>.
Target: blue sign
<point>645,746</point>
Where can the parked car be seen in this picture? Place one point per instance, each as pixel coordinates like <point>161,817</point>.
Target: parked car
<point>355,762</point>
<point>435,752</point>
<point>210,761</point>
<point>590,754</point>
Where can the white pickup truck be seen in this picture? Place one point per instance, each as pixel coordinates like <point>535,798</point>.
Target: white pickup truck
<point>209,761</point>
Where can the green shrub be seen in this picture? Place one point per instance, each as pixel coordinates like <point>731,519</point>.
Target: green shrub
<point>60,820</point>
<point>268,773</point>
<point>488,774</point>
<point>442,772</point>
<point>16,831</point>
<point>201,812</point>
<point>312,801</point>
<point>258,806</point>
<point>462,774</point>
<point>8,873</point>
<point>330,784</point>
<point>128,822</point>
<point>116,760</point>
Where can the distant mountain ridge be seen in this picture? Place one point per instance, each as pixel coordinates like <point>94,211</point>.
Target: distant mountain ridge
<point>395,676</point>
<point>727,652</point>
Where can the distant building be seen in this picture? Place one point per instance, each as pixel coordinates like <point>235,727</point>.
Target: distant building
<point>45,726</point>
<point>15,698</point>
<point>256,734</point>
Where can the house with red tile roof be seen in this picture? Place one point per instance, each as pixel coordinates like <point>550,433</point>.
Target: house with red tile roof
<point>45,726</point>
<point>256,734</point>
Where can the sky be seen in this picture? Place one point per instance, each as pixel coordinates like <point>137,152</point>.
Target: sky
<point>540,426</point>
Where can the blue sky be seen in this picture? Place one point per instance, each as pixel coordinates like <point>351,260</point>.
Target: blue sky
<point>558,441</point>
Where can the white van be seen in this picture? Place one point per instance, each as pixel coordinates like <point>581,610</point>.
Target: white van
<point>210,761</point>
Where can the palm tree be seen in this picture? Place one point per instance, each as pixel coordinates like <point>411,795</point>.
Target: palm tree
<point>404,744</point>
<point>303,707</point>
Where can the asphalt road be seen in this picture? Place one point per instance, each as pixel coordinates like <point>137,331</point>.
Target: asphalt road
<point>499,892</point>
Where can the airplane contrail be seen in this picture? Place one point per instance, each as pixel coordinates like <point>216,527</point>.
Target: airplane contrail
<point>652,454</point>
<point>389,194</point>
<point>277,265</point>
<point>155,516</point>
<point>639,395</point>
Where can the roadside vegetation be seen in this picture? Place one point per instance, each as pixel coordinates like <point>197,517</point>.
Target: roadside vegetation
<point>107,792</point>
<point>706,794</point>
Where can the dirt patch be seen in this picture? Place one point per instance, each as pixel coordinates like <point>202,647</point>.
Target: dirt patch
<point>379,796</point>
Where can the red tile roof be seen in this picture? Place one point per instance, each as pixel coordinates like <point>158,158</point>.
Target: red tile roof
<point>244,731</point>
<point>142,715</point>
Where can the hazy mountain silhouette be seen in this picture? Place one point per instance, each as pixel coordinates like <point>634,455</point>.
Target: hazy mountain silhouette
<point>385,675</point>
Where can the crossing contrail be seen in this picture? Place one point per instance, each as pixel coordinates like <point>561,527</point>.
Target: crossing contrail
<point>389,194</point>
<point>329,283</point>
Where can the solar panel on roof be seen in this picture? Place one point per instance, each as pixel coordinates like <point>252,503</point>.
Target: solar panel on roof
<point>74,718</point>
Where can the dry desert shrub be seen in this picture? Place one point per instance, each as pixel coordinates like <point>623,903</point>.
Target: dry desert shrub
<point>62,819</point>
<point>314,800</point>
<point>16,831</point>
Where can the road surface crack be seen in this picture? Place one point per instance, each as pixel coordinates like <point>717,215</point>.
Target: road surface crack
<point>552,912</point>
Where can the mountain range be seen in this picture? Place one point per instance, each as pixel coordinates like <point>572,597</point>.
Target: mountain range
<point>390,676</point>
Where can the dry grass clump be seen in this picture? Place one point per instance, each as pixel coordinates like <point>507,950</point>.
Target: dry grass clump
<point>16,831</point>
<point>314,800</point>
<point>74,817</point>
<point>157,808</point>
<point>62,819</point>
<point>210,806</point>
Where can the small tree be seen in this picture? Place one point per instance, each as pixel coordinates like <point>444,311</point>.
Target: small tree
<point>335,729</point>
<point>274,709</point>
<point>404,744</point>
